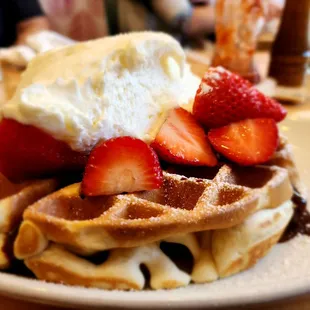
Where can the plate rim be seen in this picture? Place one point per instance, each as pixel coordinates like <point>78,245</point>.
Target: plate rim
<point>37,291</point>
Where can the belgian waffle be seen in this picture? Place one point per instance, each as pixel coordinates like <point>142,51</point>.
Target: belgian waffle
<point>219,253</point>
<point>14,198</point>
<point>244,209</point>
<point>182,205</point>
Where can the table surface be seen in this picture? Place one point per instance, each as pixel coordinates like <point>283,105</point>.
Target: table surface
<point>199,61</point>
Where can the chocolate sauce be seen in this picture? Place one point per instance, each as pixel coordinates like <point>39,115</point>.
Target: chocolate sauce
<point>300,223</point>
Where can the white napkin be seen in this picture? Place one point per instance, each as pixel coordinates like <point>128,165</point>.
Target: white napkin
<point>37,43</point>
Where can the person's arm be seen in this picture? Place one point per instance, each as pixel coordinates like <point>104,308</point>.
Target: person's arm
<point>185,17</point>
<point>172,12</point>
<point>30,18</point>
<point>201,21</point>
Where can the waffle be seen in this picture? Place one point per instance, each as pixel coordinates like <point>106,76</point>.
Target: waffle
<point>14,198</point>
<point>244,209</point>
<point>218,253</point>
<point>284,158</point>
<point>224,198</point>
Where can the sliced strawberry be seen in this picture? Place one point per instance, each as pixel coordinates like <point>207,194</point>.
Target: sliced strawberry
<point>224,97</point>
<point>27,151</point>
<point>120,165</point>
<point>248,142</point>
<point>182,140</point>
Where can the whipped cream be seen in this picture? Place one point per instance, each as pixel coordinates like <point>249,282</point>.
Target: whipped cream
<point>115,86</point>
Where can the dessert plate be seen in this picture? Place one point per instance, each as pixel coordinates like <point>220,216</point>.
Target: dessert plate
<point>285,272</point>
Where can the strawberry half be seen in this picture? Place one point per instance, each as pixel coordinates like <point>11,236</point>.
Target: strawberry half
<point>224,97</point>
<point>182,140</point>
<point>248,142</point>
<point>120,165</point>
<point>27,151</point>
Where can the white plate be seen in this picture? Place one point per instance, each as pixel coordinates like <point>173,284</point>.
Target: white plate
<point>284,272</point>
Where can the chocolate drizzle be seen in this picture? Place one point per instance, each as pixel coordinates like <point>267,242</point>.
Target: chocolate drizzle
<point>300,222</point>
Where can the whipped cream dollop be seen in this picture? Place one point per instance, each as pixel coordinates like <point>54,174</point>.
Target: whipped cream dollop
<point>115,86</point>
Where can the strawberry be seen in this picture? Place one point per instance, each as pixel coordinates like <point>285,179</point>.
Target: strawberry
<point>248,142</point>
<point>182,140</point>
<point>27,151</point>
<point>120,165</point>
<point>224,97</point>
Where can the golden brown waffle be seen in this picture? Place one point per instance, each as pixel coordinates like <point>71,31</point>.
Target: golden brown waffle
<point>218,253</point>
<point>14,198</point>
<point>181,206</point>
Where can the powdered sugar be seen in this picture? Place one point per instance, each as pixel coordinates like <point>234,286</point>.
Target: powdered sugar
<point>205,88</point>
<point>214,73</point>
<point>213,76</point>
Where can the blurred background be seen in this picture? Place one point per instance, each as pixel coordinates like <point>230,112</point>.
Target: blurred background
<point>238,35</point>
<point>90,19</point>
